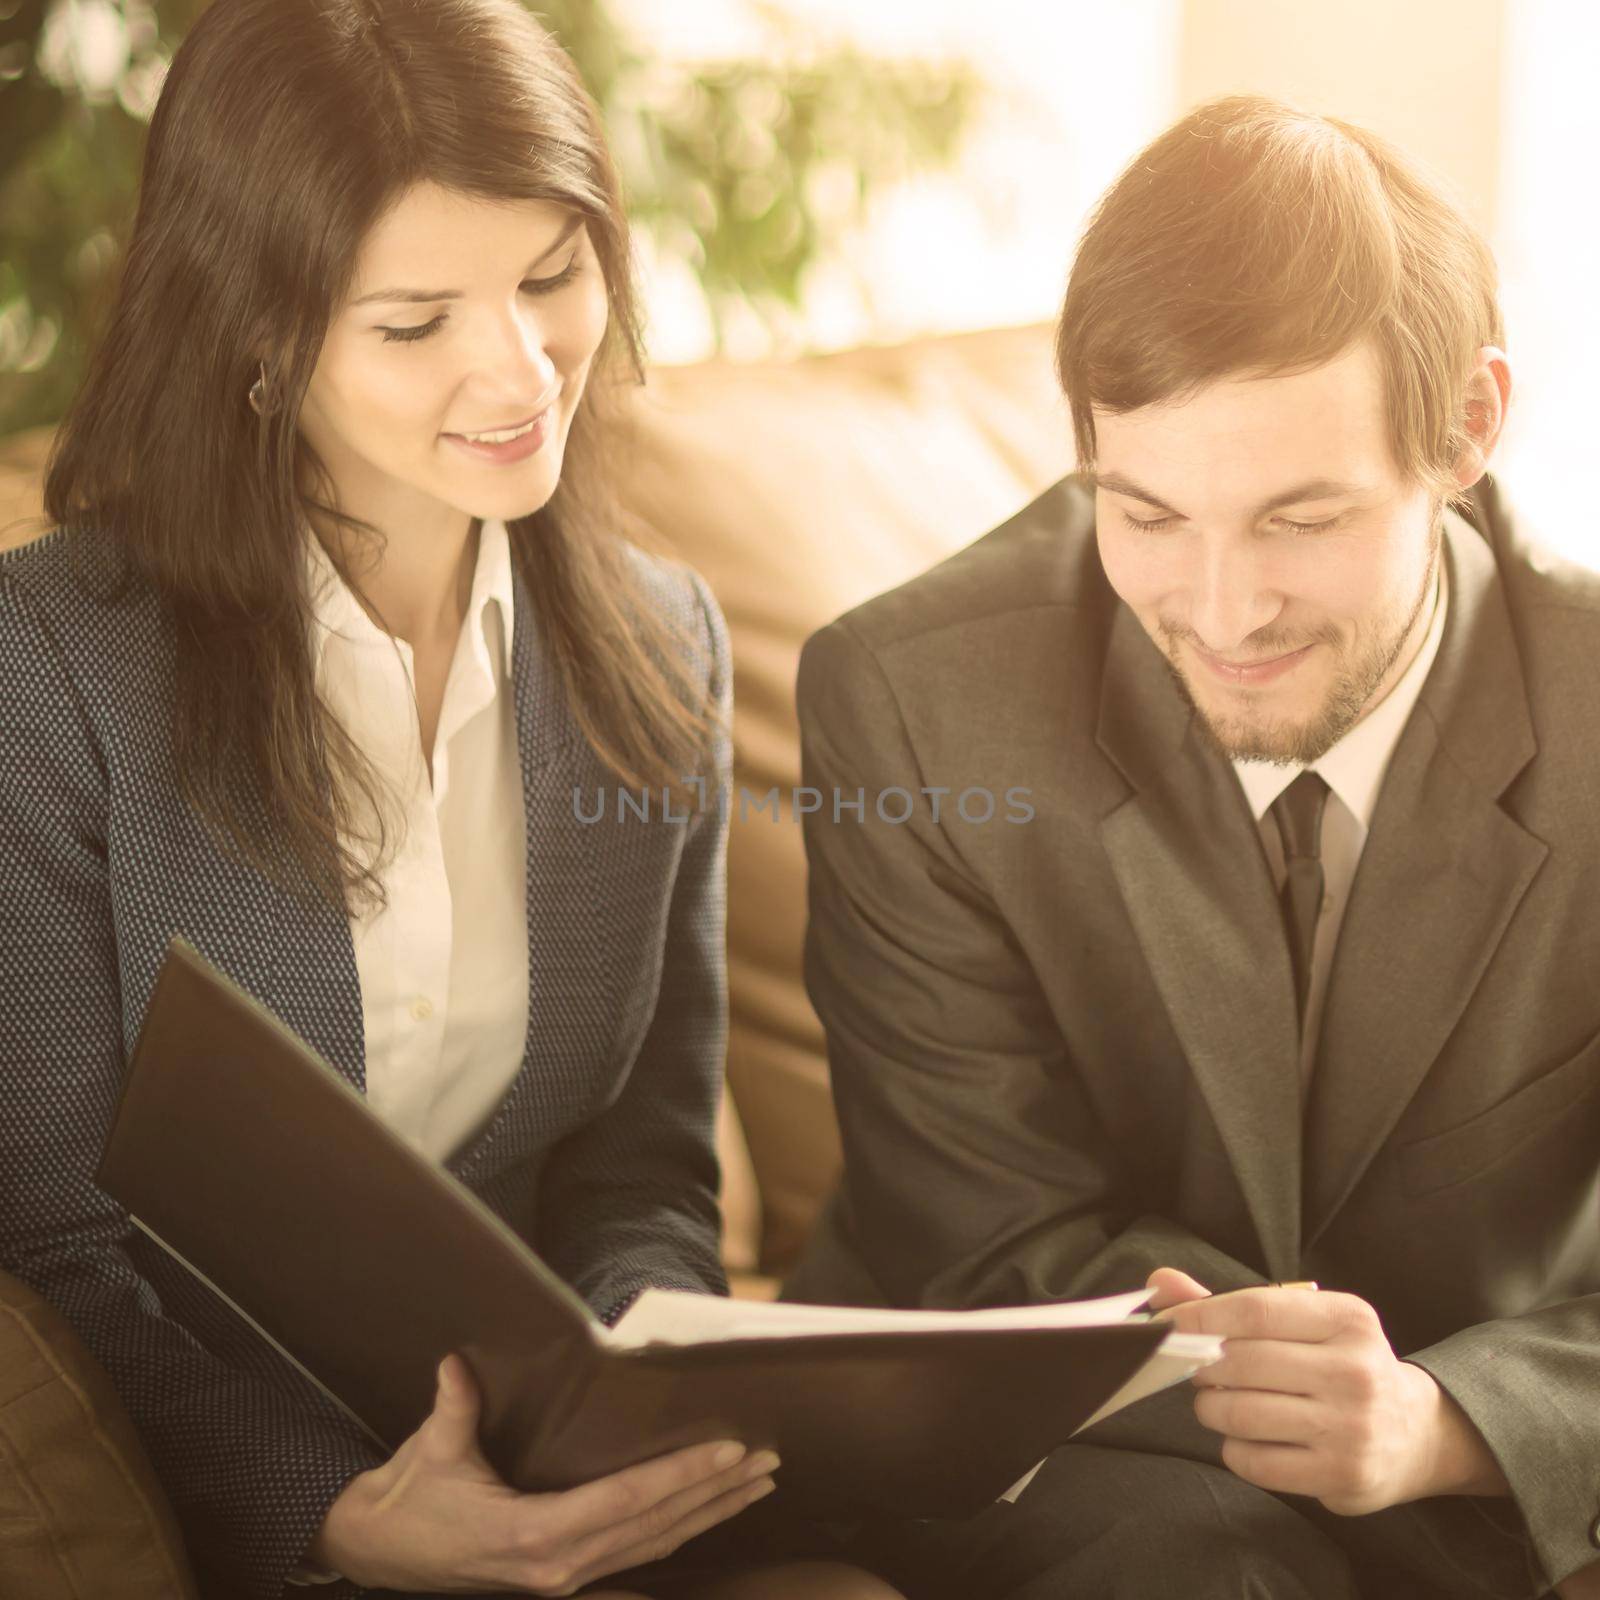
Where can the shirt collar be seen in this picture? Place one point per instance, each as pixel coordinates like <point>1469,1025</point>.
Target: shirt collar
<point>1355,765</point>
<point>335,610</point>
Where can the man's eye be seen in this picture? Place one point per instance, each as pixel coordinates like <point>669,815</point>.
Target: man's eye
<point>1153,526</point>
<point>407,334</point>
<point>1308,527</point>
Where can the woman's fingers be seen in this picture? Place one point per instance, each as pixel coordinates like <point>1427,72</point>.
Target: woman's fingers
<point>728,1504</point>
<point>658,1521</point>
<point>634,1492</point>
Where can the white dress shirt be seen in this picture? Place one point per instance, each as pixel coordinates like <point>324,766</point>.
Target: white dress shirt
<point>1353,770</point>
<point>444,968</point>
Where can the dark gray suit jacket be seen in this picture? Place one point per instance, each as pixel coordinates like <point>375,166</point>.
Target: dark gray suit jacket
<point>1064,1049</point>
<point>601,1153</point>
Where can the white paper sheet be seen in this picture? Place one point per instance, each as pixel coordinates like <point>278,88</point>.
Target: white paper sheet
<point>672,1316</point>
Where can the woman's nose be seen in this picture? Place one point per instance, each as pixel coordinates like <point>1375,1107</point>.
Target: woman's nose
<point>520,359</point>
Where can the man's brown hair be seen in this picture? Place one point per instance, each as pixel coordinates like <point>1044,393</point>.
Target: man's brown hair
<point>1256,238</point>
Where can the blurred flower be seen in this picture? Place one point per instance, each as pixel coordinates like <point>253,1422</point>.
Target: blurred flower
<point>85,46</point>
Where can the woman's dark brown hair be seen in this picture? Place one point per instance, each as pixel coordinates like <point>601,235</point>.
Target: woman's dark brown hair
<point>1254,237</point>
<point>284,130</point>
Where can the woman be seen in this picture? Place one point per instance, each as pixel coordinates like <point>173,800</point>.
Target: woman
<point>331,629</point>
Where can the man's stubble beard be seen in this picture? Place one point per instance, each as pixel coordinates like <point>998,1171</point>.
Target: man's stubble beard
<point>1299,744</point>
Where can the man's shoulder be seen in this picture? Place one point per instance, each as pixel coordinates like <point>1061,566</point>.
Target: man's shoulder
<point>1554,601</point>
<point>1540,580</point>
<point>1044,557</point>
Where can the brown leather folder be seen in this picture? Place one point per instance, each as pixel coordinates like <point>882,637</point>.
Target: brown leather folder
<point>246,1155</point>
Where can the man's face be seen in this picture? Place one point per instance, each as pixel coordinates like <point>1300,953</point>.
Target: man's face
<point>1263,536</point>
<point>513,311</point>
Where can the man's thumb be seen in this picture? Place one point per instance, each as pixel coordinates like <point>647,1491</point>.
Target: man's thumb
<point>1173,1288</point>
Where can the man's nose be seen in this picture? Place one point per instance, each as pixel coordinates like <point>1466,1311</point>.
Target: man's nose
<point>1231,596</point>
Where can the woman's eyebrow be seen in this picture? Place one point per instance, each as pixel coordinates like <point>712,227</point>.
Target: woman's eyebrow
<point>427,296</point>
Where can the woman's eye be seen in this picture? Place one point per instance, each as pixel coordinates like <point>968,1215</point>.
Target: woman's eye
<point>548,285</point>
<point>407,334</point>
<point>532,285</point>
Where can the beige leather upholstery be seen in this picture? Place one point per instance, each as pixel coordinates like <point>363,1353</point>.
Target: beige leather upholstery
<point>81,1517</point>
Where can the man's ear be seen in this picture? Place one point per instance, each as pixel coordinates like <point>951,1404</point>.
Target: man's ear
<point>1484,407</point>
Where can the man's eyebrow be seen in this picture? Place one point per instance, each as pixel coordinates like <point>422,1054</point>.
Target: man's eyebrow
<point>428,296</point>
<point>1311,489</point>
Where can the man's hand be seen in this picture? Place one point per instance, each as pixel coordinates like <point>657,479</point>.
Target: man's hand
<point>436,1516</point>
<point>1310,1399</point>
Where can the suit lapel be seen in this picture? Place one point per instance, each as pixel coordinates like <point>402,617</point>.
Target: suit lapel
<point>1443,869</point>
<point>295,955</point>
<point>1187,856</point>
<point>570,973</point>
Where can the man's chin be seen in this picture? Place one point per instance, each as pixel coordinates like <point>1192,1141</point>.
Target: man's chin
<point>1238,743</point>
<point>1259,734</point>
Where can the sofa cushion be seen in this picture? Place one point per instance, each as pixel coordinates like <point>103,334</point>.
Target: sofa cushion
<point>81,1516</point>
<point>800,489</point>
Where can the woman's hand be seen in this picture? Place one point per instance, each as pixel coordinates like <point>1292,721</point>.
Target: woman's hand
<point>436,1516</point>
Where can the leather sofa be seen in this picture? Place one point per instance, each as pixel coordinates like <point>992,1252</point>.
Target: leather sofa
<point>797,488</point>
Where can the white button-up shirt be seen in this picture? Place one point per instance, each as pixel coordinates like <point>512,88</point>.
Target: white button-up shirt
<point>444,967</point>
<point>1353,769</point>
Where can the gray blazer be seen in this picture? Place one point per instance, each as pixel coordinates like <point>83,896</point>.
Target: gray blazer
<point>601,1154</point>
<point>1063,1049</point>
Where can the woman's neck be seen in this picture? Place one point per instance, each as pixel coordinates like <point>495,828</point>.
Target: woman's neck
<point>415,586</point>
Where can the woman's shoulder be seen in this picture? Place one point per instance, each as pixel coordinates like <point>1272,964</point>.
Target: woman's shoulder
<point>682,598</point>
<point>77,566</point>
<point>70,602</point>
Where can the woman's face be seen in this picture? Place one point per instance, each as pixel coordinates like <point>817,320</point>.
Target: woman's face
<point>465,316</point>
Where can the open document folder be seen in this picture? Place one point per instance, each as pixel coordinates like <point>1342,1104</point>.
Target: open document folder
<point>242,1152</point>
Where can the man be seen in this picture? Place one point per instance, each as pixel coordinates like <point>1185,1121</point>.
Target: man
<point>1286,968</point>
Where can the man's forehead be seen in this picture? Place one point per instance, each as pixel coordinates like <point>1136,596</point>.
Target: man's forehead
<point>1343,396</point>
<point>1318,433</point>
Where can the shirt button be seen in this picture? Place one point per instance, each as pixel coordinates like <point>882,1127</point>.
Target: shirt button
<point>422,1008</point>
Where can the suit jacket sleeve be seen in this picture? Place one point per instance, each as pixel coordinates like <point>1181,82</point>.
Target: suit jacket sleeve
<point>976,1171</point>
<point>630,1199</point>
<point>1528,1384</point>
<point>251,1467</point>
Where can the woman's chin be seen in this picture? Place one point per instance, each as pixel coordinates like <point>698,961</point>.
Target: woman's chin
<point>505,503</point>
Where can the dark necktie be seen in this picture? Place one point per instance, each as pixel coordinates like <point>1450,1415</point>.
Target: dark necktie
<point>1298,814</point>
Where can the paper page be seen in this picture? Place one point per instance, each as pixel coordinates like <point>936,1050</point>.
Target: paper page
<point>1179,1356</point>
<point>673,1316</point>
